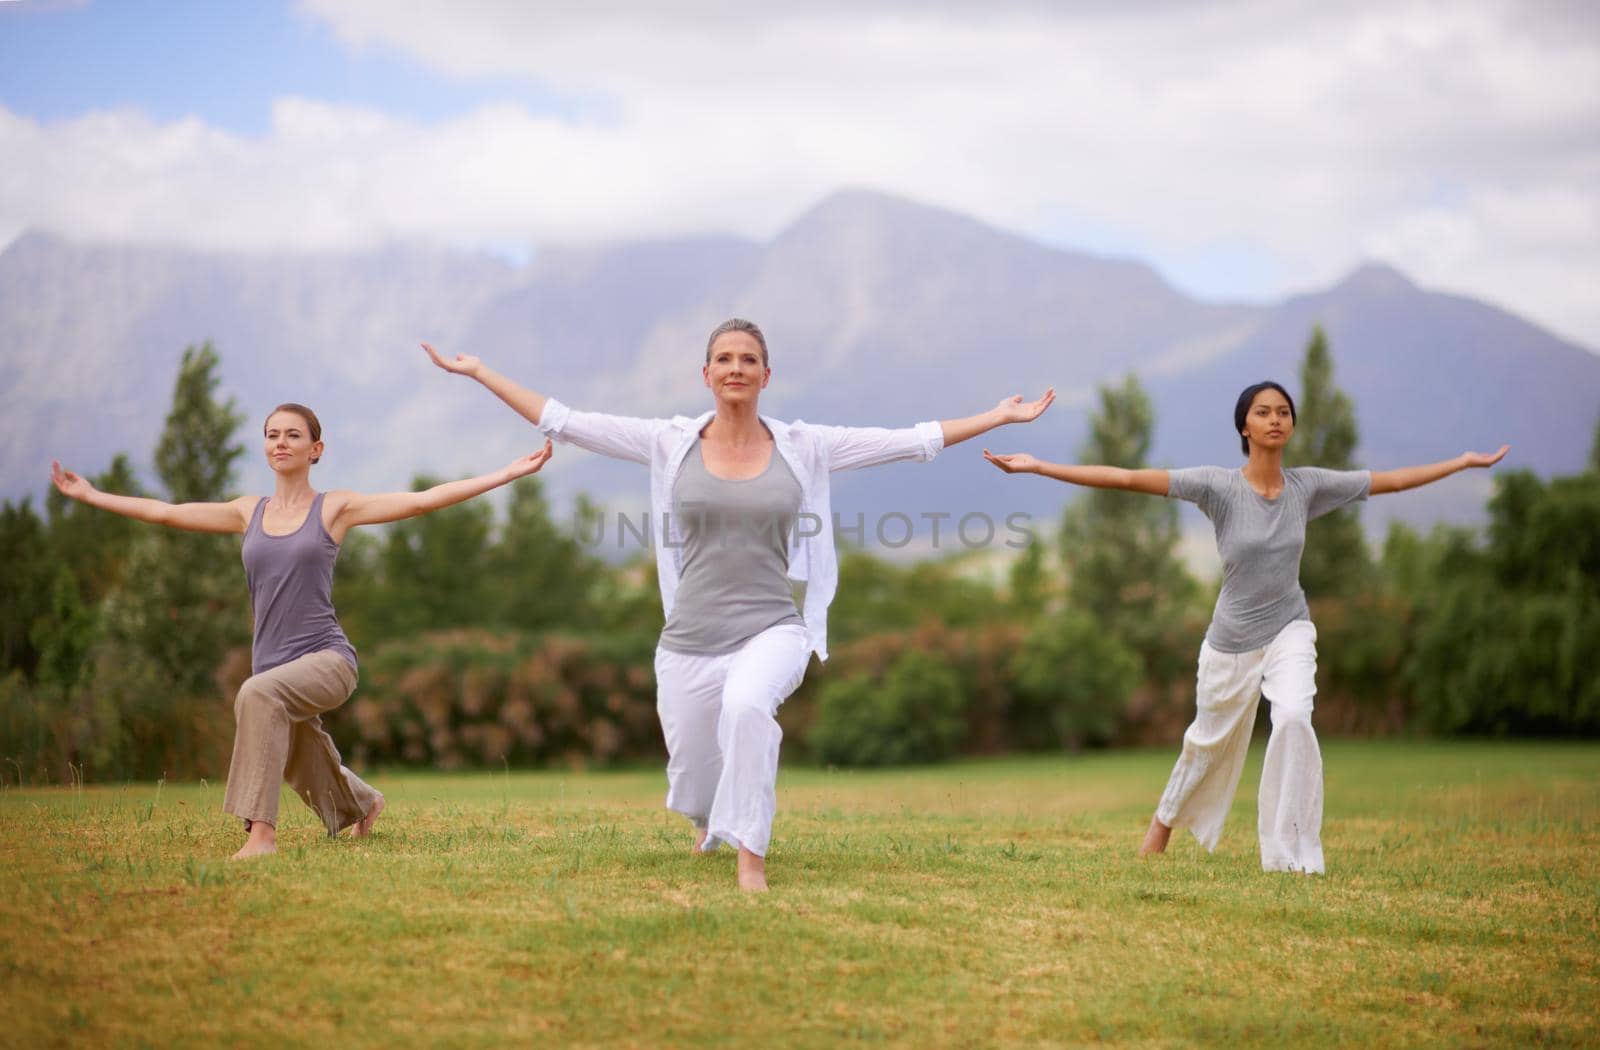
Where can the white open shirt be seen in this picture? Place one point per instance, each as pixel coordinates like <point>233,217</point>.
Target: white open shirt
<point>812,453</point>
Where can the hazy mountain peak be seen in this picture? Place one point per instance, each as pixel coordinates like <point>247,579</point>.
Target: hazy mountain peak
<point>857,203</point>
<point>874,221</point>
<point>1375,278</point>
<point>926,235</point>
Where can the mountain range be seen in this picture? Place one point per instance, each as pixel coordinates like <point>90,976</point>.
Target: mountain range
<point>878,311</point>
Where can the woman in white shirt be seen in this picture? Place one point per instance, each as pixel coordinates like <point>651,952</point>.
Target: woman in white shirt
<point>742,506</point>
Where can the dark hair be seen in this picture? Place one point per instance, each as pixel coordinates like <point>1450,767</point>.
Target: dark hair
<point>313,424</point>
<point>738,324</point>
<point>1242,408</point>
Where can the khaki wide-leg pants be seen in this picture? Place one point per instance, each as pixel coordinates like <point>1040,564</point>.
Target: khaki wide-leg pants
<point>1228,688</point>
<point>718,715</point>
<point>279,736</point>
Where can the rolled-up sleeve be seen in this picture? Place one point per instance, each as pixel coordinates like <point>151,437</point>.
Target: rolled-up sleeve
<point>620,437</point>
<point>850,448</point>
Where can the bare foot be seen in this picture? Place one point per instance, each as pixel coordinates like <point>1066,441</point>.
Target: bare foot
<point>699,839</point>
<point>1155,840</point>
<point>364,825</point>
<point>262,841</point>
<point>752,872</point>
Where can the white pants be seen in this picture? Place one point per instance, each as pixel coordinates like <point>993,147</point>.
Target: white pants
<point>1228,687</point>
<point>718,714</point>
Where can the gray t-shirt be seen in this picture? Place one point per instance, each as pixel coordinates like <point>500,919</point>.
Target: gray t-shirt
<point>735,565</point>
<point>1260,541</point>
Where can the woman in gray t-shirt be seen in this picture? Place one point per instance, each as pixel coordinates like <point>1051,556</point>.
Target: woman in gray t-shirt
<point>302,665</point>
<point>1261,639</point>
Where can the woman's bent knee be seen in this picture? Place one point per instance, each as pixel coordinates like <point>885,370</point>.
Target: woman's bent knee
<point>750,711</point>
<point>1292,715</point>
<point>254,699</point>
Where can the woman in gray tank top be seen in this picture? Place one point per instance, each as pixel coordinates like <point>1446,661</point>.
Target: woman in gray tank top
<point>302,665</point>
<point>741,504</point>
<point>1261,640</point>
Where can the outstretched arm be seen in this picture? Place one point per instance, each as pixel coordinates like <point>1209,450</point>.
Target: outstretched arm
<point>1414,477</point>
<point>529,404</point>
<point>232,516</point>
<point>1009,410</point>
<point>621,437</point>
<point>358,508</point>
<point>1149,480</point>
<point>850,448</point>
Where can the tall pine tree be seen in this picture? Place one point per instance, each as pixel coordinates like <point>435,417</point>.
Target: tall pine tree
<point>185,601</point>
<point>1336,562</point>
<point>1121,548</point>
<point>1029,582</point>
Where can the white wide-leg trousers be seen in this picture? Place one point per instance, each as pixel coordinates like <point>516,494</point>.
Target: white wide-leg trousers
<point>718,714</point>
<point>1228,686</point>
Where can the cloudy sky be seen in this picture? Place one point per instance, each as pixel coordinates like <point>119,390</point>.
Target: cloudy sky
<point>1245,149</point>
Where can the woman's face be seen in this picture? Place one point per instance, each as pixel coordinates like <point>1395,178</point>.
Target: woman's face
<point>288,443</point>
<point>1269,423</point>
<point>735,372</point>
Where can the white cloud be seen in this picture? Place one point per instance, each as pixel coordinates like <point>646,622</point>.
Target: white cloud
<point>1459,142</point>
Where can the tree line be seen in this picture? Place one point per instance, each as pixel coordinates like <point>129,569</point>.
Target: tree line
<point>492,637</point>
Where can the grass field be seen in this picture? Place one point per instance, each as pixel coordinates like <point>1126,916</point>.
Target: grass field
<point>985,903</point>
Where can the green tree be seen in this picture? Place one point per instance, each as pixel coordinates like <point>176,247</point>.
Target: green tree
<point>186,603</point>
<point>876,595</point>
<point>1120,548</point>
<point>196,453</point>
<point>1030,582</point>
<point>543,576</point>
<point>1336,562</point>
<point>63,576</point>
<point>25,573</point>
<point>1505,636</point>
<point>66,634</point>
<point>56,574</point>
<point>95,545</point>
<point>436,570</point>
<point>1073,682</point>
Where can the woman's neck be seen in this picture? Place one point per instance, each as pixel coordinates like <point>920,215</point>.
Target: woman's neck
<point>293,490</point>
<point>1264,470</point>
<point>736,424</point>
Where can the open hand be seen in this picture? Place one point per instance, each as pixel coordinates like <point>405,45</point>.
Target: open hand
<point>531,463</point>
<point>1485,459</point>
<point>461,364</point>
<point>1014,410</point>
<point>73,486</point>
<point>1014,462</point>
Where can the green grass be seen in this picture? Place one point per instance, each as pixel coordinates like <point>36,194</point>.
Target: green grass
<point>978,904</point>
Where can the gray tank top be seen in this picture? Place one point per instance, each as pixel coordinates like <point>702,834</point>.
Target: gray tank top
<point>735,578</point>
<point>291,591</point>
